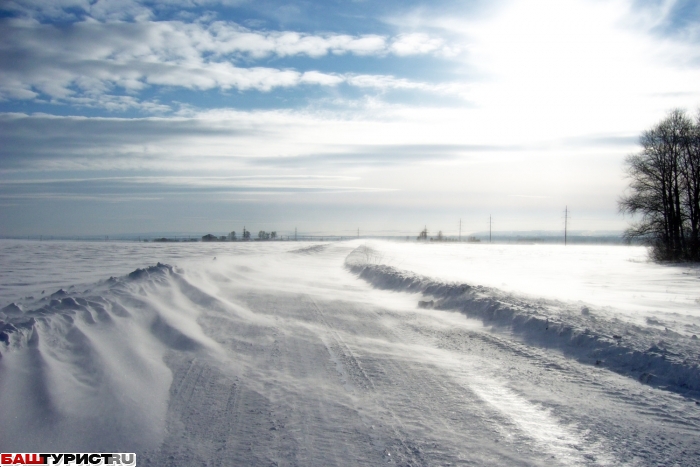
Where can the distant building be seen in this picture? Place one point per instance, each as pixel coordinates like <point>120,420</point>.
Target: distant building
<point>209,238</point>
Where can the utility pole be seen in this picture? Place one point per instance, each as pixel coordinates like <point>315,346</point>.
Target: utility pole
<point>489,229</point>
<point>460,230</point>
<point>566,222</point>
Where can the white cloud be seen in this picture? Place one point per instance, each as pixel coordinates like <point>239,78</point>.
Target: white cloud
<point>75,9</point>
<point>324,79</point>
<point>415,43</point>
<point>118,103</point>
<point>84,63</point>
<point>389,82</point>
<point>226,38</point>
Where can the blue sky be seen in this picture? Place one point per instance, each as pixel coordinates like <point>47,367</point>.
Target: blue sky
<point>196,115</point>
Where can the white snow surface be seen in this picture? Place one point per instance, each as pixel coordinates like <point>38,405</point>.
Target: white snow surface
<point>616,276</point>
<point>351,353</point>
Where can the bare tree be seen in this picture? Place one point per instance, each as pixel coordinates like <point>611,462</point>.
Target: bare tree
<point>690,174</point>
<point>665,188</point>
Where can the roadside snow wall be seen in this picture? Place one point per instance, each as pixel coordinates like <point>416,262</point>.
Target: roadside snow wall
<point>661,358</point>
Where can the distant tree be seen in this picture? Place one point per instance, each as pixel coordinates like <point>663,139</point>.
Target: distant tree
<point>423,235</point>
<point>273,235</point>
<point>209,238</point>
<point>439,236</point>
<point>665,188</point>
<point>232,236</point>
<point>262,235</point>
<point>246,234</point>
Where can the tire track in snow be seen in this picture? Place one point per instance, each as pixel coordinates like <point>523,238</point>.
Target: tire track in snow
<point>426,402</point>
<point>601,408</point>
<point>520,422</point>
<point>618,400</point>
<point>314,420</point>
<point>214,419</point>
<point>349,367</point>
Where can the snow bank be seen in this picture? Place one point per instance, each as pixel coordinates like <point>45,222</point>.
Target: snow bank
<point>619,276</point>
<point>86,371</point>
<point>654,356</point>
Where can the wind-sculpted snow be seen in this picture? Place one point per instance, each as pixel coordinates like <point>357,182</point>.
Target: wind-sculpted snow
<point>659,357</point>
<point>309,250</point>
<point>82,369</point>
<point>244,354</point>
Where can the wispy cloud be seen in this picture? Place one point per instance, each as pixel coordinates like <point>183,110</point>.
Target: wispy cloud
<point>96,64</point>
<point>215,139</point>
<point>59,196</point>
<point>67,10</point>
<point>383,155</point>
<point>149,188</point>
<point>238,140</point>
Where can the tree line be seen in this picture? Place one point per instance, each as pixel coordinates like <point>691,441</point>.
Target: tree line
<point>664,190</point>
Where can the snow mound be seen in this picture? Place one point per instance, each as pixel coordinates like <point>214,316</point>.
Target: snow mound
<point>159,271</point>
<point>79,367</point>
<point>659,357</point>
<point>310,250</point>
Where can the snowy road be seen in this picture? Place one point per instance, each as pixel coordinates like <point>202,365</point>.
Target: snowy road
<point>291,359</point>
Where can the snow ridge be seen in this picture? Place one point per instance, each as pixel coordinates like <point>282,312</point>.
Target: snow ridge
<point>18,326</point>
<point>90,365</point>
<point>661,358</point>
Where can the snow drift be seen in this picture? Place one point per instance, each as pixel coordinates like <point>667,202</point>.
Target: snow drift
<point>660,357</point>
<point>85,370</point>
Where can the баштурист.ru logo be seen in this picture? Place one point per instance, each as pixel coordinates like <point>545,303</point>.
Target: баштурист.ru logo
<point>67,459</point>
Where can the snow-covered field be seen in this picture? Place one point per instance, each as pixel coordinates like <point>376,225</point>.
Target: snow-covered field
<point>352,353</point>
<point>620,277</point>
